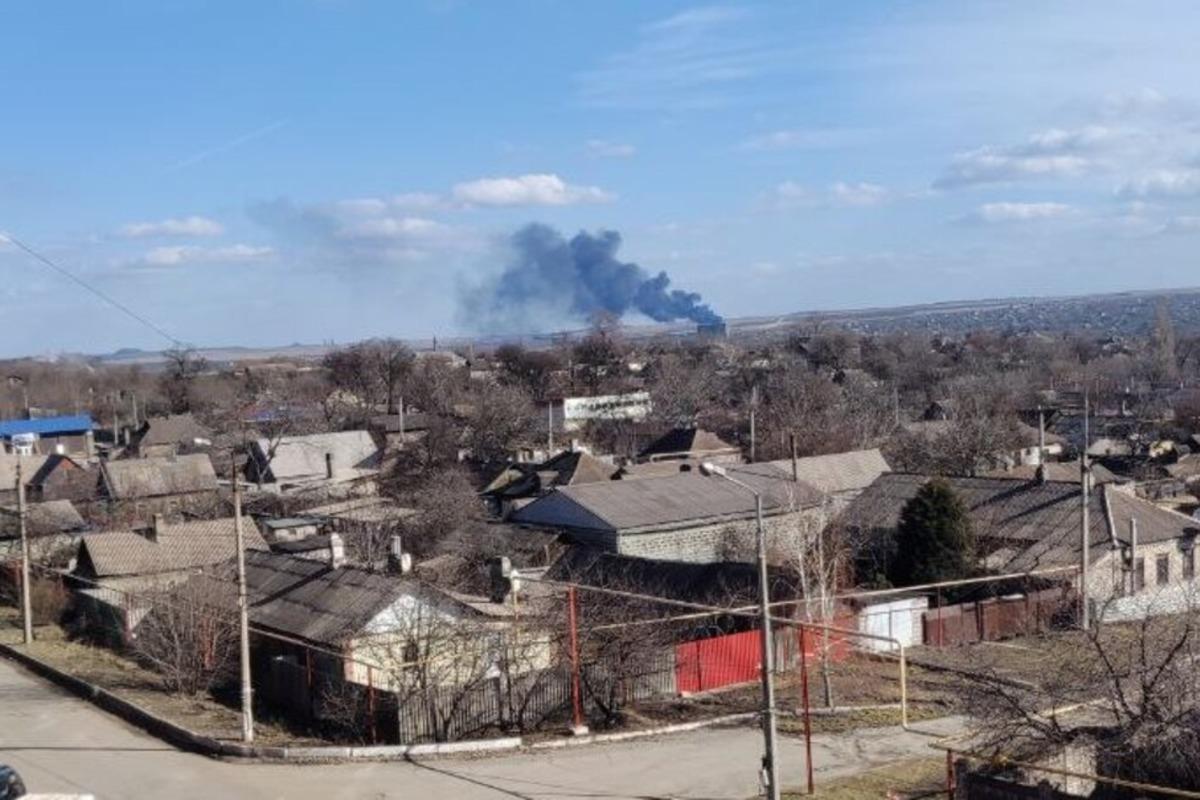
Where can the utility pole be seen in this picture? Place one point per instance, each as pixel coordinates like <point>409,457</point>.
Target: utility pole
<point>243,614</point>
<point>795,464</point>
<point>753,406</point>
<point>549,427</point>
<point>1085,524</point>
<point>26,603</point>
<point>770,767</point>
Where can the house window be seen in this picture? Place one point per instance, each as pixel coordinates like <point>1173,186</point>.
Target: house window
<point>1138,578</point>
<point>1189,563</point>
<point>1162,569</point>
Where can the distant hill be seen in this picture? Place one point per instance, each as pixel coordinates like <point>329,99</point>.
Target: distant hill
<point>1115,314</point>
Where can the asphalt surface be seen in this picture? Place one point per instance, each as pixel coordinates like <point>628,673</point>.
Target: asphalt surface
<point>59,743</point>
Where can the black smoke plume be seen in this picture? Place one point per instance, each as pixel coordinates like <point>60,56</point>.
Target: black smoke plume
<point>578,278</point>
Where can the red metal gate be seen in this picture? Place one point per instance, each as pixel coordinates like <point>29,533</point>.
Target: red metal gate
<point>719,661</point>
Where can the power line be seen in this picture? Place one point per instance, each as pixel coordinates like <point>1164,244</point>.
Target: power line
<point>8,237</point>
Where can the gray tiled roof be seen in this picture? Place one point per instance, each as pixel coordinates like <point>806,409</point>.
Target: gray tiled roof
<point>838,472</point>
<point>159,477</point>
<point>1038,522</point>
<point>172,429</point>
<point>178,546</point>
<point>684,499</point>
<point>302,458</point>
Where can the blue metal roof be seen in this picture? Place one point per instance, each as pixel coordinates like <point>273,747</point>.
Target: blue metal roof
<point>47,426</point>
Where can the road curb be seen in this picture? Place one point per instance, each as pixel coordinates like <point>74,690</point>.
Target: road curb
<point>237,752</point>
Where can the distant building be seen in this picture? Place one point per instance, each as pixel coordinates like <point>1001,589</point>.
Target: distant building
<point>168,436</point>
<point>297,461</point>
<point>695,444</point>
<point>48,435</point>
<point>167,484</point>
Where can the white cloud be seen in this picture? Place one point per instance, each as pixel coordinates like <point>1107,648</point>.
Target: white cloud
<point>1163,183</point>
<point>179,255</point>
<point>542,189</point>
<point>857,194</point>
<point>697,58</point>
<point>390,228</point>
<point>602,148</point>
<point>1019,212</point>
<point>183,226</point>
<point>840,194</point>
<point>803,139</point>
<point>1182,224</point>
<point>996,165</point>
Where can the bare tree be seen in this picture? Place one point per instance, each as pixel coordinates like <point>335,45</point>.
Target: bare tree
<point>189,635</point>
<point>178,379</point>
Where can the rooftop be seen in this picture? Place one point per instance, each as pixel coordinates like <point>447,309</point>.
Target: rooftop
<point>838,472</point>
<point>159,477</point>
<point>46,426</point>
<point>682,500</point>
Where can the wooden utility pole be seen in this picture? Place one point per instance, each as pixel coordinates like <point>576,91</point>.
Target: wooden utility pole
<point>26,602</point>
<point>1085,523</point>
<point>243,614</point>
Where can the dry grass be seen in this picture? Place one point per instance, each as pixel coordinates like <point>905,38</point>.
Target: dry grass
<point>129,680</point>
<point>924,777</point>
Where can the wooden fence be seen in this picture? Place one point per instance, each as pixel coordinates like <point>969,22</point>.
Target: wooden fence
<point>999,617</point>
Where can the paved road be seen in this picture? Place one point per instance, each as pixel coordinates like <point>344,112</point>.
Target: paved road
<point>59,743</point>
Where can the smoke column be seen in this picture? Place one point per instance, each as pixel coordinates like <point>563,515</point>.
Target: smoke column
<point>549,275</point>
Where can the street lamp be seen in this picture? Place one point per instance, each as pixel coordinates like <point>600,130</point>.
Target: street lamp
<point>770,735</point>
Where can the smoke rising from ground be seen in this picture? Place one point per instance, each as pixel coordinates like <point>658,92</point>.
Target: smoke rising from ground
<point>551,278</point>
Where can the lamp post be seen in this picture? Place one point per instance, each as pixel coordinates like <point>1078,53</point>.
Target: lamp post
<point>770,735</point>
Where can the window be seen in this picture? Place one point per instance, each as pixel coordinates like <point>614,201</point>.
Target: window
<point>1138,578</point>
<point>1162,569</point>
<point>1189,563</point>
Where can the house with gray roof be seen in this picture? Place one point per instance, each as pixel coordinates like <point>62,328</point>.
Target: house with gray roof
<point>163,484</point>
<point>684,516</point>
<point>842,476</point>
<point>169,435</point>
<point>1141,558</point>
<point>314,459</point>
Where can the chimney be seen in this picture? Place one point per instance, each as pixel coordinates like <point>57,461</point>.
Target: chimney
<point>329,466</point>
<point>337,551</point>
<point>1041,459</point>
<point>1040,473</point>
<point>398,560</point>
<point>500,571</point>
<point>157,526</point>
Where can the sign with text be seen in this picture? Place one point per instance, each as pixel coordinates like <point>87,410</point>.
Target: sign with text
<point>632,406</point>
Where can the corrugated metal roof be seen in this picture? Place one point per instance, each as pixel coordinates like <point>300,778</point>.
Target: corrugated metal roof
<point>46,426</point>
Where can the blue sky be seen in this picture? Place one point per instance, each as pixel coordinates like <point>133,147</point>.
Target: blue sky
<point>271,172</point>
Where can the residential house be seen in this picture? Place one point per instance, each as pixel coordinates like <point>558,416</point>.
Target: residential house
<point>518,483</point>
<point>694,444</point>
<point>160,485</point>
<point>115,571</point>
<point>69,434</point>
<point>296,462</point>
<point>681,517</point>
<point>1023,526</point>
<point>841,476</point>
<point>53,527</point>
<point>62,477</point>
<point>168,436</point>
<point>29,466</point>
<point>401,429</point>
<point>341,628</point>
